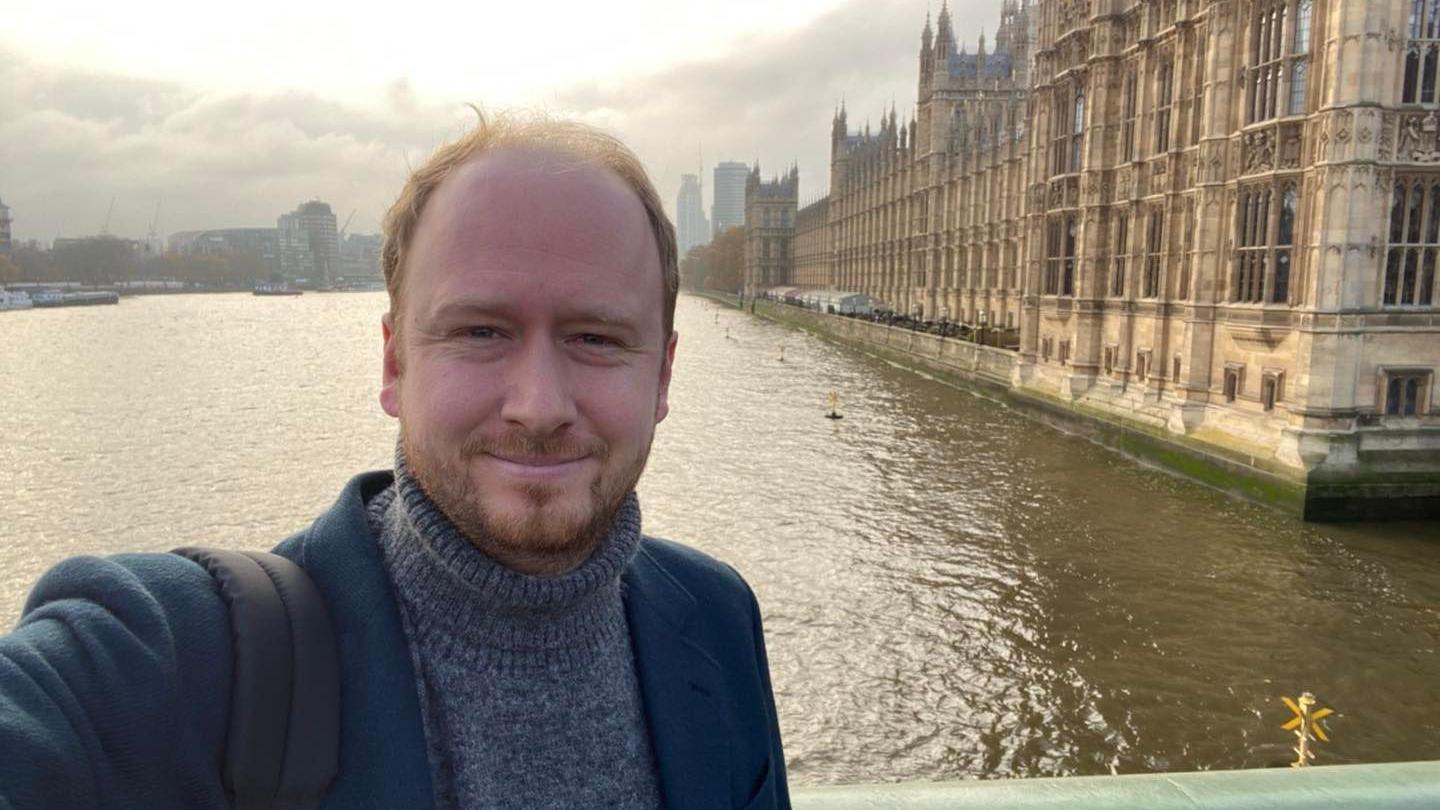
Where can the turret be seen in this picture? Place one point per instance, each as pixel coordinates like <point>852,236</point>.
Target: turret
<point>944,37</point>
<point>927,57</point>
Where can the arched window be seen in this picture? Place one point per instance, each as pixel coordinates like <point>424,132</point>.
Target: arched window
<point>1164,98</point>
<point>1300,57</point>
<point>1410,260</point>
<point>1422,53</point>
<point>1127,138</point>
<point>1077,131</point>
<point>1284,242</point>
<point>1264,253</point>
<point>1154,253</point>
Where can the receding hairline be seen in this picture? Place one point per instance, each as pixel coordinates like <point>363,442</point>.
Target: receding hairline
<point>564,145</point>
<point>539,158</point>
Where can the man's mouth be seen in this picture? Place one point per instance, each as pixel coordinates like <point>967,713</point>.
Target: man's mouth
<point>538,468</point>
<point>538,461</point>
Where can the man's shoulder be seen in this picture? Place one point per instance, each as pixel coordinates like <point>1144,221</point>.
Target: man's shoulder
<point>676,572</point>
<point>691,564</point>
<point>130,585</point>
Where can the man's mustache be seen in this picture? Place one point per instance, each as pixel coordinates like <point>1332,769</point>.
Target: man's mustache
<point>518,444</point>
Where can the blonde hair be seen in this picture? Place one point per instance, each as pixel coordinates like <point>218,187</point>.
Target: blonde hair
<point>573,139</point>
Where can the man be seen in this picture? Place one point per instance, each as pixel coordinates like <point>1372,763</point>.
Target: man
<point>506,635</point>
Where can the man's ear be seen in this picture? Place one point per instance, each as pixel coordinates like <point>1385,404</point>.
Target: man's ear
<point>662,402</point>
<point>390,367</point>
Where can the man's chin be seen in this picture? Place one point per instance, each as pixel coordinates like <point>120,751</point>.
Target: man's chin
<point>546,527</point>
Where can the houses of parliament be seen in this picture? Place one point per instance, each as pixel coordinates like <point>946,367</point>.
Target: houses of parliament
<point>1216,219</point>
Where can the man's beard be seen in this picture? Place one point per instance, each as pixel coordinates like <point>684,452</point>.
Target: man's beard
<point>546,536</point>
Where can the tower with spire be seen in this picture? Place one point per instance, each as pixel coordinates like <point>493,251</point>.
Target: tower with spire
<point>770,208</point>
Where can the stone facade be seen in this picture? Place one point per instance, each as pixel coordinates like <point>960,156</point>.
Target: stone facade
<point>770,210</point>
<point>1241,211</point>
<point>813,249</point>
<point>928,214</point>
<point>1219,219</point>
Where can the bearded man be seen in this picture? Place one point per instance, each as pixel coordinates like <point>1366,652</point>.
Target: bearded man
<point>506,636</point>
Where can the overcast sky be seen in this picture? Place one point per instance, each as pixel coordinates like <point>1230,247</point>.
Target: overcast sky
<point>229,118</point>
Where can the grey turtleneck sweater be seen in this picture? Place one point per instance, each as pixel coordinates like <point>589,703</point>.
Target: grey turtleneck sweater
<point>527,684</point>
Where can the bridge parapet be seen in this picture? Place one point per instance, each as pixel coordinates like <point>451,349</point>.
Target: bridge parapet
<point>1355,787</point>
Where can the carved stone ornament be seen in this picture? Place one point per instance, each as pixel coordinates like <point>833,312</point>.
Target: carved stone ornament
<point>1419,138</point>
<point>1342,126</point>
<point>1219,16</point>
<point>1290,149</point>
<point>1259,152</point>
<point>1384,183</point>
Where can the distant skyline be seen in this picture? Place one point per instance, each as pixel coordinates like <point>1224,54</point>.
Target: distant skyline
<point>231,121</point>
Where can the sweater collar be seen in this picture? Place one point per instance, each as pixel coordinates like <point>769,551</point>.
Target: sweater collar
<point>446,583</point>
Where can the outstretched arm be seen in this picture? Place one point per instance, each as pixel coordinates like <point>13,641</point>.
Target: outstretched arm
<point>114,688</point>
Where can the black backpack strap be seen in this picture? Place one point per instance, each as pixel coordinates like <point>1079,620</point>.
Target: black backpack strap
<point>283,747</point>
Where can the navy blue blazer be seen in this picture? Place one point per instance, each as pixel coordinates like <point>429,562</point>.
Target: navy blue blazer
<point>114,687</point>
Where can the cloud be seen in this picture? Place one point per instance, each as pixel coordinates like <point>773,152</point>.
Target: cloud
<point>770,99</point>
<point>73,139</point>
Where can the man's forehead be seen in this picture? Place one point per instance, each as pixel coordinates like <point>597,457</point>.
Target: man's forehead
<point>538,199</point>
<point>548,221</point>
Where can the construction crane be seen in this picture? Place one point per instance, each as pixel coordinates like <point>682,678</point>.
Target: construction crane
<point>105,229</point>
<point>340,237</point>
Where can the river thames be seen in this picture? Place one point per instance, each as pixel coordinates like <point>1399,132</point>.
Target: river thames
<point>950,590</point>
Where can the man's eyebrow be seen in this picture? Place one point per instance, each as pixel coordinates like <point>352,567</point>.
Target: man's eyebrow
<point>584,314</point>
<point>452,309</point>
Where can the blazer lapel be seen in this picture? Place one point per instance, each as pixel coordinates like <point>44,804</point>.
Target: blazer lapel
<point>682,689</point>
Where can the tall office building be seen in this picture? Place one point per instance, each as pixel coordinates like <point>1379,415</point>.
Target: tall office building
<point>691,225</point>
<point>728,208</point>
<point>308,245</point>
<point>4,227</point>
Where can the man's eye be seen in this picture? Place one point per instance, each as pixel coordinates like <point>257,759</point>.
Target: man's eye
<point>480,332</point>
<point>595,341</point>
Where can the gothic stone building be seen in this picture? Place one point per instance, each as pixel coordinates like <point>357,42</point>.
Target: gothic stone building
<point>770,208</point>
<point>1217,218</point>
<point>812,247</point>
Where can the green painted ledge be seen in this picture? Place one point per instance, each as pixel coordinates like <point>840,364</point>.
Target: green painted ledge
<point>1358,787</point>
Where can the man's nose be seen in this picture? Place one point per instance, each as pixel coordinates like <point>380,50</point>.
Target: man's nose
<point>538,397</point>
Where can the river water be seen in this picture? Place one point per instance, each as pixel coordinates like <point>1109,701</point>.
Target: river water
<point>950,590</point>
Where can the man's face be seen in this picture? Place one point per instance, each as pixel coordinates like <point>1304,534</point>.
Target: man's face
<point>529,364</point>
